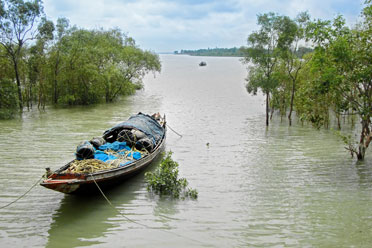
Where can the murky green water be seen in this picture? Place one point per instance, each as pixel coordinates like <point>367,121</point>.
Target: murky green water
<point>258,187</point>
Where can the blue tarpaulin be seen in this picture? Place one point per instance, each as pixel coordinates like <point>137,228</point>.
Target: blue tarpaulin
<point>115,146</point>
<point>103,156</point>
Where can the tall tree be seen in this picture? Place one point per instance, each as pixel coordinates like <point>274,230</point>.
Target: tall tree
<point>8,90</point>
<point>294,33</point>
<point>342,72</point>
<point>56,54</point>
<point>98,65</point>
<point>18,22</point>
<point>263,53</point>
<point>352,56</point>
<point>262,57</point>
<point>34,86</point>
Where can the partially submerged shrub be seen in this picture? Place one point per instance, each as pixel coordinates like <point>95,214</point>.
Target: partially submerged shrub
<point>164,181</point>
<point>351,145</point>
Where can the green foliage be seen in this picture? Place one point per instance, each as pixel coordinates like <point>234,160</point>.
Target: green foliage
<point>17,21</point>
<point>8,89</point>
<point>17,18</point>
<point>313,93</point>
<point>265,49</point>
<point>256,79</point>
<point>336,76</point>
<point>46,29</point>
<point>67,65</point>
<point>225,52</point>
<point>302,51</point>
<point>90,66</point>
<point>281,94</point>
<point>8,99</point>
<point>339,76</point>
<point>165,182</point>
<point>349,141</point>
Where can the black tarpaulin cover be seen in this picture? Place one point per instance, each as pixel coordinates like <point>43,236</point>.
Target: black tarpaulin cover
<point>142,122</point>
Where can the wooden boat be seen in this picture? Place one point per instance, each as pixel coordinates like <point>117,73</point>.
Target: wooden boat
<point>85,183</point>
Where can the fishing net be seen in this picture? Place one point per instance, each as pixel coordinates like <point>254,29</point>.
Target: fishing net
<point>105,160</point>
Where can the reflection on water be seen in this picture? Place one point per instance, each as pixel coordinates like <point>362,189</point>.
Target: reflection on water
<point>278,186</point>
<point>84,220</point>
<point>80,221</point>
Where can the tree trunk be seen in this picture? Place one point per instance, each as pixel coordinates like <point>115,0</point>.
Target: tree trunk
<point>19,89</point>
<point>30,96</point>
<point>272,113</point>
<point>55,84</point>
<point>291,104</point>
<point>55,98</point>
<point>267,108</point>
<point>107,93</point>
<point>365,139</point>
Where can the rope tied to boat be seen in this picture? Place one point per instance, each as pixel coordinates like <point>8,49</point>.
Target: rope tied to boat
<point>20,197</point>
<point>135,222</point>
<point>109,202</point>
<point>173,130</point>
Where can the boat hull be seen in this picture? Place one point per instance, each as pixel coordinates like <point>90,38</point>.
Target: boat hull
<point>86,183</point>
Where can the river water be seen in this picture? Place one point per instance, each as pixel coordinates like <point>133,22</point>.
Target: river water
<point>258,187</point>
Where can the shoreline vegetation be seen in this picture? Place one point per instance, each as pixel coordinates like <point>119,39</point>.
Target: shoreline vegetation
<point>59,64</point>
<point>232,52</point>
<point>333,79</point>
<point>216,52</point>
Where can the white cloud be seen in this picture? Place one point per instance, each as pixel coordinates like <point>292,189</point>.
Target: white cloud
<point>165,25</point>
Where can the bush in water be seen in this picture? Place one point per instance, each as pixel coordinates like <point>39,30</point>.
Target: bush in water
<point>165,181</point>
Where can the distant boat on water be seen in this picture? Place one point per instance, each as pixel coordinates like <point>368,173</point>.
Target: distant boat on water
<point>202,63</point>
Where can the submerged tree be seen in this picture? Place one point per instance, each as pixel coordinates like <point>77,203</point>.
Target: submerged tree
<point>340,76</point>
<point>18,21</point>
<point>47,63</point>
<point>8,90</point>
<point>336,76</point>
<point>56,56</point>
<point>351,52</point>
<point>294,33</point>
<point>88,66</point>
<point>263,54</point>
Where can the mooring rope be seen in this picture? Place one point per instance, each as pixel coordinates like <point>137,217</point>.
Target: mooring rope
<point>7,205</point>
<point>174,131</point>
<point>207,144</point>
<point>109,202</point>
<point>135,222</point>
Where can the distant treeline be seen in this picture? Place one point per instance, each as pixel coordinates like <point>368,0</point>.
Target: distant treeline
<point>228,52</point>
<point>232,52</point>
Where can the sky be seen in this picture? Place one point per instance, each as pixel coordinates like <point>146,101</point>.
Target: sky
<point>166,26</point>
